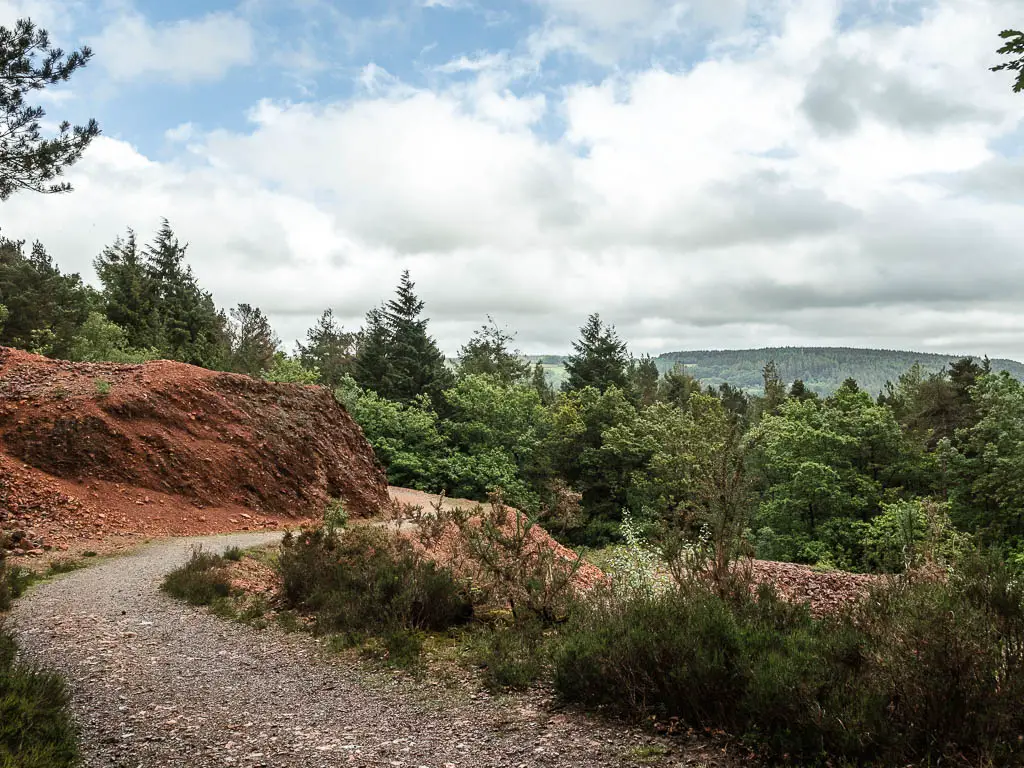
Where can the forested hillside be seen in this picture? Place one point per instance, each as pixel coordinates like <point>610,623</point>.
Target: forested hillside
<point>822,369</point>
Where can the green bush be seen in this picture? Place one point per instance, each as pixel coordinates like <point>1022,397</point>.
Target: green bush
<point>36,729</point>
<point>918,672</point>
<point>366,581</point>
<point>200,581</point>
<point>514,657</point>
<point>234,554</point>
<point>13,583</point>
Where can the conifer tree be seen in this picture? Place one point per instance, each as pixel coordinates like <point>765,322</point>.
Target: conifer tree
<point>599,359</point>
<point>253,341</point>
<point>28,62</point>
<point>540,383</point>
<point>129,292</point>
<point>188,320</point>
<point>774,389</point>
<point>45,307</point>
<point>330,349</point>
<point>643,380</point>
<point>370,366</point>
<point>415,364</point>
<point>677,386</point>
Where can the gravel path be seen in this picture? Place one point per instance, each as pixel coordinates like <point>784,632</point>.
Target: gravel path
<point>158,683</point>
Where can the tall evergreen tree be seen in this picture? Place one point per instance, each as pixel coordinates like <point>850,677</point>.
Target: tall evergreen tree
<point>129,292</point>
<point>774,388</point>
<point>330,349</point>
<point>370,366</point>
<point>599,358</point>
<point>541,385</point>
<point>677,386</point>
<point>643,378</point>
<point>415,364</point>
<point>45,307</point>
<point>189,325</point>
<point>253,341</point>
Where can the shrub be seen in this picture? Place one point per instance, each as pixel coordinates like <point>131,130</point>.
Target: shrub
<point>922,670</point>
<point>36,729</point>
<point>13,583</point>
<point>366,581</point>
<point>234,554</point>
<point>200,581</point>
<point>514,657</point>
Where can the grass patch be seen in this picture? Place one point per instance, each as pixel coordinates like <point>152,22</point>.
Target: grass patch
<point>234,554</point>
<point>64,565</point>
<point>14,580</point>
<point>200,581</point>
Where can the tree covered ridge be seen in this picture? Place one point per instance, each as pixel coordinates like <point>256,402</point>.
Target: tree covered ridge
<point>821,369</point>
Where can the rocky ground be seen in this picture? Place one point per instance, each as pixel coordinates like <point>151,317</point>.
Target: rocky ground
<point>158,683</point>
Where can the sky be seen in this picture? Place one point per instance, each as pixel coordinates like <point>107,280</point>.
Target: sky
<point>705,174</point>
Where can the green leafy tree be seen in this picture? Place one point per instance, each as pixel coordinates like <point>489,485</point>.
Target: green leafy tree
<point>253,342</point>
<point>28,62</point>
<point>599,359</point>
<point>575,451</point>
<point>1013,46</point>
<point>99,340</point>
<point>288,370</point>
<point>3,317</point>
<point>329,349</point>
<point>489,352</point>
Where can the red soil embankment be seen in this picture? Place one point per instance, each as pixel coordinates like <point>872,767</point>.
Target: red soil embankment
<point>93,450</point>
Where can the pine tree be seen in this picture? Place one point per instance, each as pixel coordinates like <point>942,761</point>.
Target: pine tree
<point>540,383</point>
<point>774,389</point>
<point>28,62</point>
<point>45,307</point>
<point>488,352</point>
<point>253,342</point>
<point>677,386</point>
<point>599,358</point>
<point>129,292</point>
<point>799,391</point>
<point>415,364</point>
<point>643,380</point>
<point>189,326</point>
<point>330,350</point>
<point>370,366</point>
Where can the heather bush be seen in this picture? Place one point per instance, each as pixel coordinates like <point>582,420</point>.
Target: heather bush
<point>36,729</point>
<point>923,670</point>
<point>200,581</point>
<point>366,581</point>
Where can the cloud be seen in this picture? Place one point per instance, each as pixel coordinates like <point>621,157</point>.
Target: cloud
<point>184,51</point>
<point>800,181</point>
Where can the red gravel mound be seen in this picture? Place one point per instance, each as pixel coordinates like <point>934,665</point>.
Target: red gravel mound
<point>175,436</point>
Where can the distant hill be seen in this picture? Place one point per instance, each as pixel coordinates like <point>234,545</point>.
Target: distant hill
<point>823,369</point>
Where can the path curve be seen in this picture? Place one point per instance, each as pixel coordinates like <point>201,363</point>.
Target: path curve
<point>158,683</point>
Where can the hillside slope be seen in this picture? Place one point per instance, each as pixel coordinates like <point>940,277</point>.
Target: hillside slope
<point>92,440</point>
<point>823,369</point>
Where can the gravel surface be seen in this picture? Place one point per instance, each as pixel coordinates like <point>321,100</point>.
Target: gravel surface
<point>158,683</point>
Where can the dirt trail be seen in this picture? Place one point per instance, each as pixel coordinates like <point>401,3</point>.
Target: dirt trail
<point>158,683</point>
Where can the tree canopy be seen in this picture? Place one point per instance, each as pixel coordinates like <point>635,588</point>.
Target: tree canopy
<point>1014,46</point>
<point>28,160</point>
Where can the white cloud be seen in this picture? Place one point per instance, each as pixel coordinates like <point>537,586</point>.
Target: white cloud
<point>697,208</point>
<point>183,51</point>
